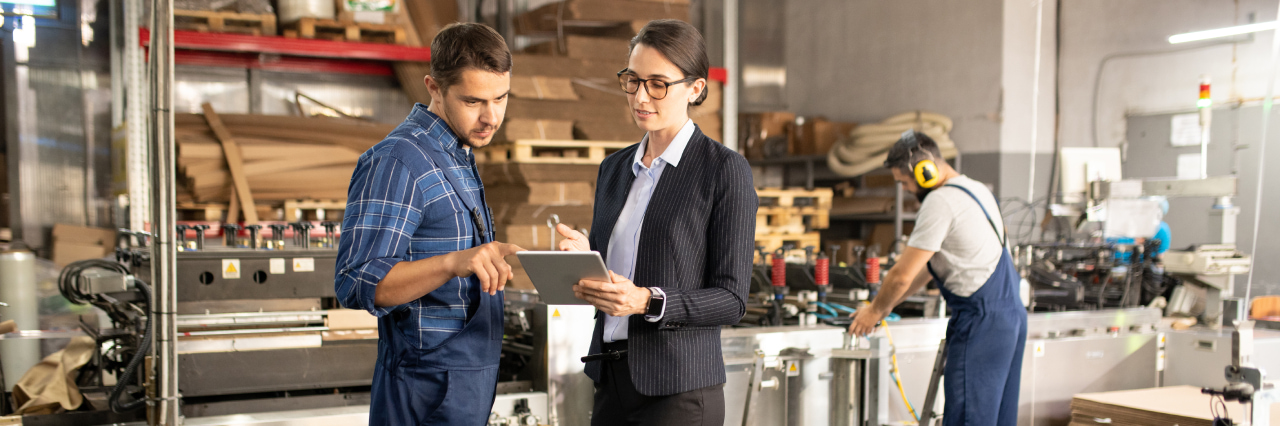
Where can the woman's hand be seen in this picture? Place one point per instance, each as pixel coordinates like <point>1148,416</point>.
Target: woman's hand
<point>573,240</point>
<point>618,298</point>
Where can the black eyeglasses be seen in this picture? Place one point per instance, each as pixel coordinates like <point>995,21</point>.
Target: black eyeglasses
<point>657,89</point>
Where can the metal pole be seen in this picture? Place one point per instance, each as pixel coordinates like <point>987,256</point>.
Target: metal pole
<point>1262,155</point>
<point>732,67</point>
<point>135,120</point>
<point>9,91</point>
<point>163,252</point>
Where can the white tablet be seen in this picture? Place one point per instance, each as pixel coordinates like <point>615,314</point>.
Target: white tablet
<point>554,273</point>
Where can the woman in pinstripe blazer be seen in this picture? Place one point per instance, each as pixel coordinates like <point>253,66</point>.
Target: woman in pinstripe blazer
<point>674,220</point>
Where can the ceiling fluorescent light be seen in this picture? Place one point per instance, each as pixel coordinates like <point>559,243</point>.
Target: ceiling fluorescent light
<point>1222,32</point>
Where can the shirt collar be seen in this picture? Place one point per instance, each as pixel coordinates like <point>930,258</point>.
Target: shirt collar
<point>438,131</point>
<point>674,152</point>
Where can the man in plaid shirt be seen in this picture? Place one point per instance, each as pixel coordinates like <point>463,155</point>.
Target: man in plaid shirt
<point>417,247</point>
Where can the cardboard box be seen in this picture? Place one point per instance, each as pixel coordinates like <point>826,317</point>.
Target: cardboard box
<point>554,193</point>
<point>845,254</point>
<point>350,319</point>
<point>711,125</point>
<point>763,130</point>
<point>604,48</point>
<point>65,253</point>
<point>84,235</point>
<point>560,66</point>
<point>527,128</point>
<point>862,205</point>
<point>882,236</point>
<point>818,135</point>
<point>493,174</point>
<point>714,101</point>
<point>623,130</point>
<point>579,216</point>
<point>543,87</point>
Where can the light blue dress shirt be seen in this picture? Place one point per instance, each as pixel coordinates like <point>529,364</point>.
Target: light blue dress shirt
<point>626,233</point>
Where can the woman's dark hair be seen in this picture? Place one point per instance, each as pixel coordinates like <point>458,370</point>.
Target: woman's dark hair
<point>462,46</point>
<point>681,43</point>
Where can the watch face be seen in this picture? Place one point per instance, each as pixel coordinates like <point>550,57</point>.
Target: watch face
<point>655,306</point>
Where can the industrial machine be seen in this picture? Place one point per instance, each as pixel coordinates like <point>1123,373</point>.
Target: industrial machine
<point>1246,382</point>
<point>1066,276</point>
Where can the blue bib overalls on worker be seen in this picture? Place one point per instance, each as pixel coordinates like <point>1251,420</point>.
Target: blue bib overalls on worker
<point>986,336</point>
<point>453,383</point>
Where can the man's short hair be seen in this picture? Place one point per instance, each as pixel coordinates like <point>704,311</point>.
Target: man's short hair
<point>464,45</point>
<point>912,147</point>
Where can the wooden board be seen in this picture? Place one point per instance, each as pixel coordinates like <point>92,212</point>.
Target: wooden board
<point>795,197</point>
<point>520,174</point>
<point>790,220</point>
<point>329,210</point>
<point>225,22</point>
<point>800,241</point>
<point>330,29</point>
<point>235,165</point>
<point>578,14</point>
<point>551,151</point>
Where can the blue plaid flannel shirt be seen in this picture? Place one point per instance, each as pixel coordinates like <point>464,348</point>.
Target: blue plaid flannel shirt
<point>400,207</point>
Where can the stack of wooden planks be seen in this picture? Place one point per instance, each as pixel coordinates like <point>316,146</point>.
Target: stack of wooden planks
<point>272,158</point>
<point>791,216</point>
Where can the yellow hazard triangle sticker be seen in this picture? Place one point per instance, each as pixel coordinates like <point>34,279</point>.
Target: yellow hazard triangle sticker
<point>793,367</point>
<point>555,314</point>
<point>231,268</point>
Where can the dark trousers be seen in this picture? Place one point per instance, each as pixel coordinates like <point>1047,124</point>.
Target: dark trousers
<point>618,402</point>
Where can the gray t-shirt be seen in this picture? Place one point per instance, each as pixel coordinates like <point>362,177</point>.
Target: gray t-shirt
<point>951,224</point>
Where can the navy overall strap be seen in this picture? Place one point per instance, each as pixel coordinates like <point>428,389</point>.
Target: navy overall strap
<point>1005,240</point>
<point>478,218</point>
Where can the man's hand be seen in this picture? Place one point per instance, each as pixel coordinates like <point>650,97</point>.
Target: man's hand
<point>865,320</point>
<point>486,263</point>
<point>573,240</point>
<point>618,298</point>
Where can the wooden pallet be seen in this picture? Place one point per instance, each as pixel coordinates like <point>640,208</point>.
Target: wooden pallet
<point>314,210</point>
<point>795,197</point>
<point>549,151</point>
<point>225,22</point>
<point>217,212</point>
<point>791,220</point>
<point>329,29</point>
<point>799,241</point>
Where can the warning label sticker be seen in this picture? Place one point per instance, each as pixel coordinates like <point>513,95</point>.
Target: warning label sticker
<point>230,269</point>
<point>304,264</point>
<point>277,265</point>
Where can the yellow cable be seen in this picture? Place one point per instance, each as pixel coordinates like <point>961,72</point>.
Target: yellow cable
<point>896,374</point>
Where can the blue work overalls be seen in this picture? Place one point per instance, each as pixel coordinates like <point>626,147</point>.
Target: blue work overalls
<point>985,339</point>
<point>453,383</point>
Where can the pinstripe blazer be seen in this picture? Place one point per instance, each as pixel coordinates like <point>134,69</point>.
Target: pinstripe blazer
<point>696,244</point>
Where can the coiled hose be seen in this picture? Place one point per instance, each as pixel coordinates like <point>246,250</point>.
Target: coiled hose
<point>867,146</point>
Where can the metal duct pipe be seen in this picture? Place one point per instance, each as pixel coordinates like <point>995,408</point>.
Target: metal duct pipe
<point>163,252</point>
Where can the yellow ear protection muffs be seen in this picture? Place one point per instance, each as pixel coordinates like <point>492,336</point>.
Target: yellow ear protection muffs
<point>925,171</point>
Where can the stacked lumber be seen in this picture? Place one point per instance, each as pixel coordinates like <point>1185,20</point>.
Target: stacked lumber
<point>1174,405</point>
<point>279,157</point>
<point>526,198</point>
<point>791,216</point>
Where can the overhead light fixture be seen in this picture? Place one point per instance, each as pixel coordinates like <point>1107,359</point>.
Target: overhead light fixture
<point>1222,32</point>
